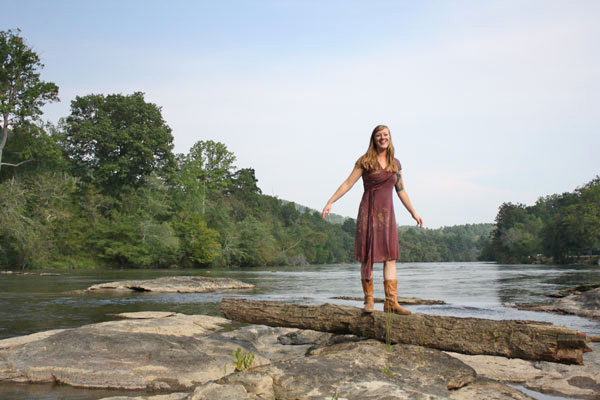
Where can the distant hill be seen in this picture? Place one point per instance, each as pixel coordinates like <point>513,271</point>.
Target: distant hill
<point>333,218</point>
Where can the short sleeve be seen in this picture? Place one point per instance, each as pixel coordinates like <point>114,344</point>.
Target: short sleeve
<point>398,164</point>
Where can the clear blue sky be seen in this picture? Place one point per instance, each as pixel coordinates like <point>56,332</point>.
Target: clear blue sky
<point>487,101</point>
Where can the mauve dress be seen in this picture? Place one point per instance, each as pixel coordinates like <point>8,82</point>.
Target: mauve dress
<point>376,233</point>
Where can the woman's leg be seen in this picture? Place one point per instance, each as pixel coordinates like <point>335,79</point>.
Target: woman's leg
<point>389,270</point>
<point>367,284</point>
<point>390,285</point>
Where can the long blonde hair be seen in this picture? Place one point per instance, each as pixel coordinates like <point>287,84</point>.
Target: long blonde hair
<point>369,160</point>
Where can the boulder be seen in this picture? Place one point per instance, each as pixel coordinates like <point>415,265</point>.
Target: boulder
<point>365,370</point>
<point>170,284</point>
<point>581,381</point>
<point>167,353</point>
<point>584,304</point>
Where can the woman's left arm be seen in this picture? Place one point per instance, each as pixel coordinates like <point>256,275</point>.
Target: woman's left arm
<point>405,200</point>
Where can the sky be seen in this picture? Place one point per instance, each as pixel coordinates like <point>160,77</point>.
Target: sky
<point>487,101</point>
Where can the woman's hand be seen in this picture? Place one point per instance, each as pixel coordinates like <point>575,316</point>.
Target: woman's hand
<point>418,219</point>
<point>326,210</point>
<point>344,187</point>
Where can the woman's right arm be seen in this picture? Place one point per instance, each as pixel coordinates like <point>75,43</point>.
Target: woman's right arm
<point>344,187</point>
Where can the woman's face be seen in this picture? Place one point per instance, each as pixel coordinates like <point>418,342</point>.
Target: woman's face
<point>382,139</point>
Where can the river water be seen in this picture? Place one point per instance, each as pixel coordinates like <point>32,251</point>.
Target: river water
<point>33,303</point>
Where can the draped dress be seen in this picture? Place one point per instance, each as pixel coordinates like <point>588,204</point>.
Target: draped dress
<point>376,232</point>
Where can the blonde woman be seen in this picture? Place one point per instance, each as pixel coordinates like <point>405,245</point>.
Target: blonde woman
<point>376,232</point>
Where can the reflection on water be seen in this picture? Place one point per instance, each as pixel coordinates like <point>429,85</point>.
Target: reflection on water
<point>33,303</point>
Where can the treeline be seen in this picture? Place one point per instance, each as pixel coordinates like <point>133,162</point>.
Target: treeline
<point>560,228</point>
<point>104,188</point>
<point>455,243</point>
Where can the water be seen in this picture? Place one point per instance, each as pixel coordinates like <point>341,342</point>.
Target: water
<point>34,303</point>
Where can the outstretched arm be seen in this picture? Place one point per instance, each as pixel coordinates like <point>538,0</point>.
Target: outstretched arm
<point>344,187</point>
<point>405,200</point>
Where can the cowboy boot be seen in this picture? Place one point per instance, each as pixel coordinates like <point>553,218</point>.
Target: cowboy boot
<point>367,285</point>
<point>391,298</point>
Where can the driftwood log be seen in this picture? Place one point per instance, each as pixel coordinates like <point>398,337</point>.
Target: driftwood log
<point>513,339</point>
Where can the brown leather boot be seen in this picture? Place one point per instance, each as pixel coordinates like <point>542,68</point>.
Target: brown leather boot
<point>391,298</point>
<point>369,300</point>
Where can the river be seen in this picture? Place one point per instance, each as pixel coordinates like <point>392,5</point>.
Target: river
<point>33,302</point>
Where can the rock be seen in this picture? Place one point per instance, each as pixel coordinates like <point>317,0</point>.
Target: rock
<point>584,304</point>
<point>582,381</point>
<point>170,284</point>
<point>19,340</point>
<point>576,290</point>
<point>488,389</point>
<point>145,315</point>
<point>369,370</point>
<point>169,353</point>
<point>305,336</point>
<point>185,353</point>
<point>171,396</point>
<point>264,341</point>
<point>179,325</point>
<point>213,391</point>
<point>258,384</point>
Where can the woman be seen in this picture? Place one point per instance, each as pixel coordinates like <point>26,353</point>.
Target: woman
<point>376,232</point>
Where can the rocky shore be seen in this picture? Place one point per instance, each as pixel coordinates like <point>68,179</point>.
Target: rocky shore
<point>176,356</point>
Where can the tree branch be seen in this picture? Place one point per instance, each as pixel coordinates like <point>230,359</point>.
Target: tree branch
<point>16,165</point>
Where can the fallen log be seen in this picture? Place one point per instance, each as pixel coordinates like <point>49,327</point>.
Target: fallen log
<point>508,338</point>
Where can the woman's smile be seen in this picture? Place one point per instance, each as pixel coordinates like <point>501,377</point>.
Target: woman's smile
<point>383,139</point>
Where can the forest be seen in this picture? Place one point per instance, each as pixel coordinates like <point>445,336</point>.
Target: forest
<point>103,188</point>
<point>561,228</point>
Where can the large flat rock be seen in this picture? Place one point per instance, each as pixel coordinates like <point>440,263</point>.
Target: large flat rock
<point>360,370</point>
<point>173,284</point>
<point>580,381</point>
<point>355,370</point>
<point>163,353</point>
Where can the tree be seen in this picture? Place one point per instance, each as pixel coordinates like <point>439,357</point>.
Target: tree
<point>116,140</point>
<point>137,231</point>
<point>22,93</point>
<point>199,244</point>
<point>573,227</point>
<point>35,143</point>
<point>208,167</point>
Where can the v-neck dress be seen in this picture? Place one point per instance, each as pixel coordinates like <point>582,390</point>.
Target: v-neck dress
<point>376,232</point>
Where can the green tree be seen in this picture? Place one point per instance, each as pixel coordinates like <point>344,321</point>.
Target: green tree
<point>32,142</point>
<point>22,92</point>
<point>208,167</point>
<point>199,244</point>
<point>573,223</point>
<point>137,230</point>
<point>116,140</point>
<point>256,243</point>
<point>32,211</point>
